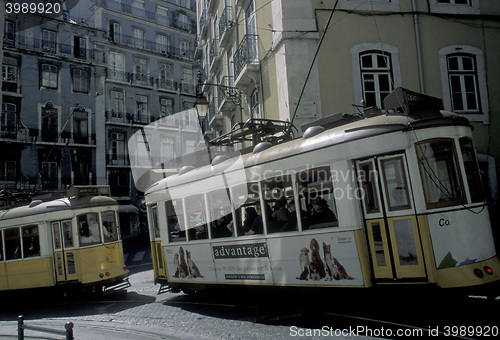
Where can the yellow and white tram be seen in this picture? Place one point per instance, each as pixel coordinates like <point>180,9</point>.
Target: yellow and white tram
<point>70,242</point>
<point>390,199</point>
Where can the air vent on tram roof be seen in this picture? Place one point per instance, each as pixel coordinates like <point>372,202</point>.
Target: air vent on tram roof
<point>261,147</point>
<point>185,169</point>
<point>219,159</point>
<point>34,203</point>
<point>313,131</point>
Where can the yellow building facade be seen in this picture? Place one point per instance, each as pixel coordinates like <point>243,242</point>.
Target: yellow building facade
<point>259,57</point>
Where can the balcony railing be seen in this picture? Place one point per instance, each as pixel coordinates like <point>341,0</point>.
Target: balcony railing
<point>63,50</point>
<point>150,46</point>
<point>128,118</point>
<point>226,22</point>
<point>153,17</point>
<point>246,53</point>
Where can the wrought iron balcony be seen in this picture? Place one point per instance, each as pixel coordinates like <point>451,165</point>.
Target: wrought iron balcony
<point>246,53</point>
<point>226,24</point>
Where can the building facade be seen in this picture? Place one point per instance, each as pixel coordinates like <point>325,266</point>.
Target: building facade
<point>262,52</point>
<point>77,85</point>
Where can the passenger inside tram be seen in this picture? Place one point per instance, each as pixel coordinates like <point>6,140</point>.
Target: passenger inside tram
<point>85,236</point>
<point>257,224</point>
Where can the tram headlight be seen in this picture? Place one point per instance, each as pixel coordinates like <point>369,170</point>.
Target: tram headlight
<point>488,270</point>
<point>101,275</point>
<point>479,273</point>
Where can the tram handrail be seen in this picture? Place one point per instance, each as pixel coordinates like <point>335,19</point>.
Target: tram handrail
<point>21,326</point>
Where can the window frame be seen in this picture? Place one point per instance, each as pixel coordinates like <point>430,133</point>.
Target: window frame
<point>483,102</point>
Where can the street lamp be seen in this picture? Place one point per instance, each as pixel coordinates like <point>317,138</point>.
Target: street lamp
<point>201,106</point>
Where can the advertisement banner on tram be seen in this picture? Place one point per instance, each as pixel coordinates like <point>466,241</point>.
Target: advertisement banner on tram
<point>321,259</point>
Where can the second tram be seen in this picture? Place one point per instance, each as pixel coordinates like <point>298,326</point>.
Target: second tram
<point>390,199</point>
<point>72,242</point>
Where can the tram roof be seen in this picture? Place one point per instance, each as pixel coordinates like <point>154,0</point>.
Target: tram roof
<point>363,128</point>
<point>56,205</point>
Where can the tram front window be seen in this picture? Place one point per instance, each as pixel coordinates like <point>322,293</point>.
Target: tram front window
<point>109,226</point>
<point>88,225</point>
<point>439,172</point>
<point>472,170</point>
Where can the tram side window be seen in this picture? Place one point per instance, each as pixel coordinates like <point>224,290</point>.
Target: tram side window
<point>472,170</point>
<point>175,220</point>
<point>88,225</point>
<point>12,244</point>
<point>317,203</point>
<point>246,202</point>
<point>368,178</point>
<point>109,224</point>
<point>155,226</point>
<point>278,195</point>
<point>219,207</point>
<point>68,233</point>
<point>31,241</point>
<point>196,219</point>
<point>396,186</point>
<point>440,174</point>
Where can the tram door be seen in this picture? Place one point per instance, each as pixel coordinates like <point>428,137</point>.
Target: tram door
<point>391,224</point>
<point>156,247</point>
<point>64,252</point>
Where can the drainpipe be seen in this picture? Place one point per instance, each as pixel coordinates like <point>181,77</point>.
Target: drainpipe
<point>419,47</point>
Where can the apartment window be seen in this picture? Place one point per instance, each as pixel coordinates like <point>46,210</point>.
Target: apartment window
<point>9,32</point>
<point>79,46</point>
<point>455,6</point>
<point>117,145</point>
<point>162,44</point>
<point>462,76</point>
<point>50,76</point>
<point>141,107</point>
<point>183,21</point>
<point>9,69</point>
<point>114,32</point>
<point>138,39</point>
<point>117,103</point>
<point>80,81</point>
<point>162,15</point>
<point>166,107</point>
<point>8,118</point>
<point>376,77</point>
<point>184,3</point>
<point>49,121</point>
<point>7,172</point>
<point>80,126</point>
<point>117,66</point>
<point>49,39</point>
<point>184,48</point>
<point>455,2</point>
<point>463,79</point>
<point>255,104</point>
<point>138,7</point>
<point>141,70</point>
<point>50,177</point>
<point>187,76</point>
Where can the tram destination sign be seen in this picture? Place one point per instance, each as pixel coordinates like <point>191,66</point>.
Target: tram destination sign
<point>238,251</point>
